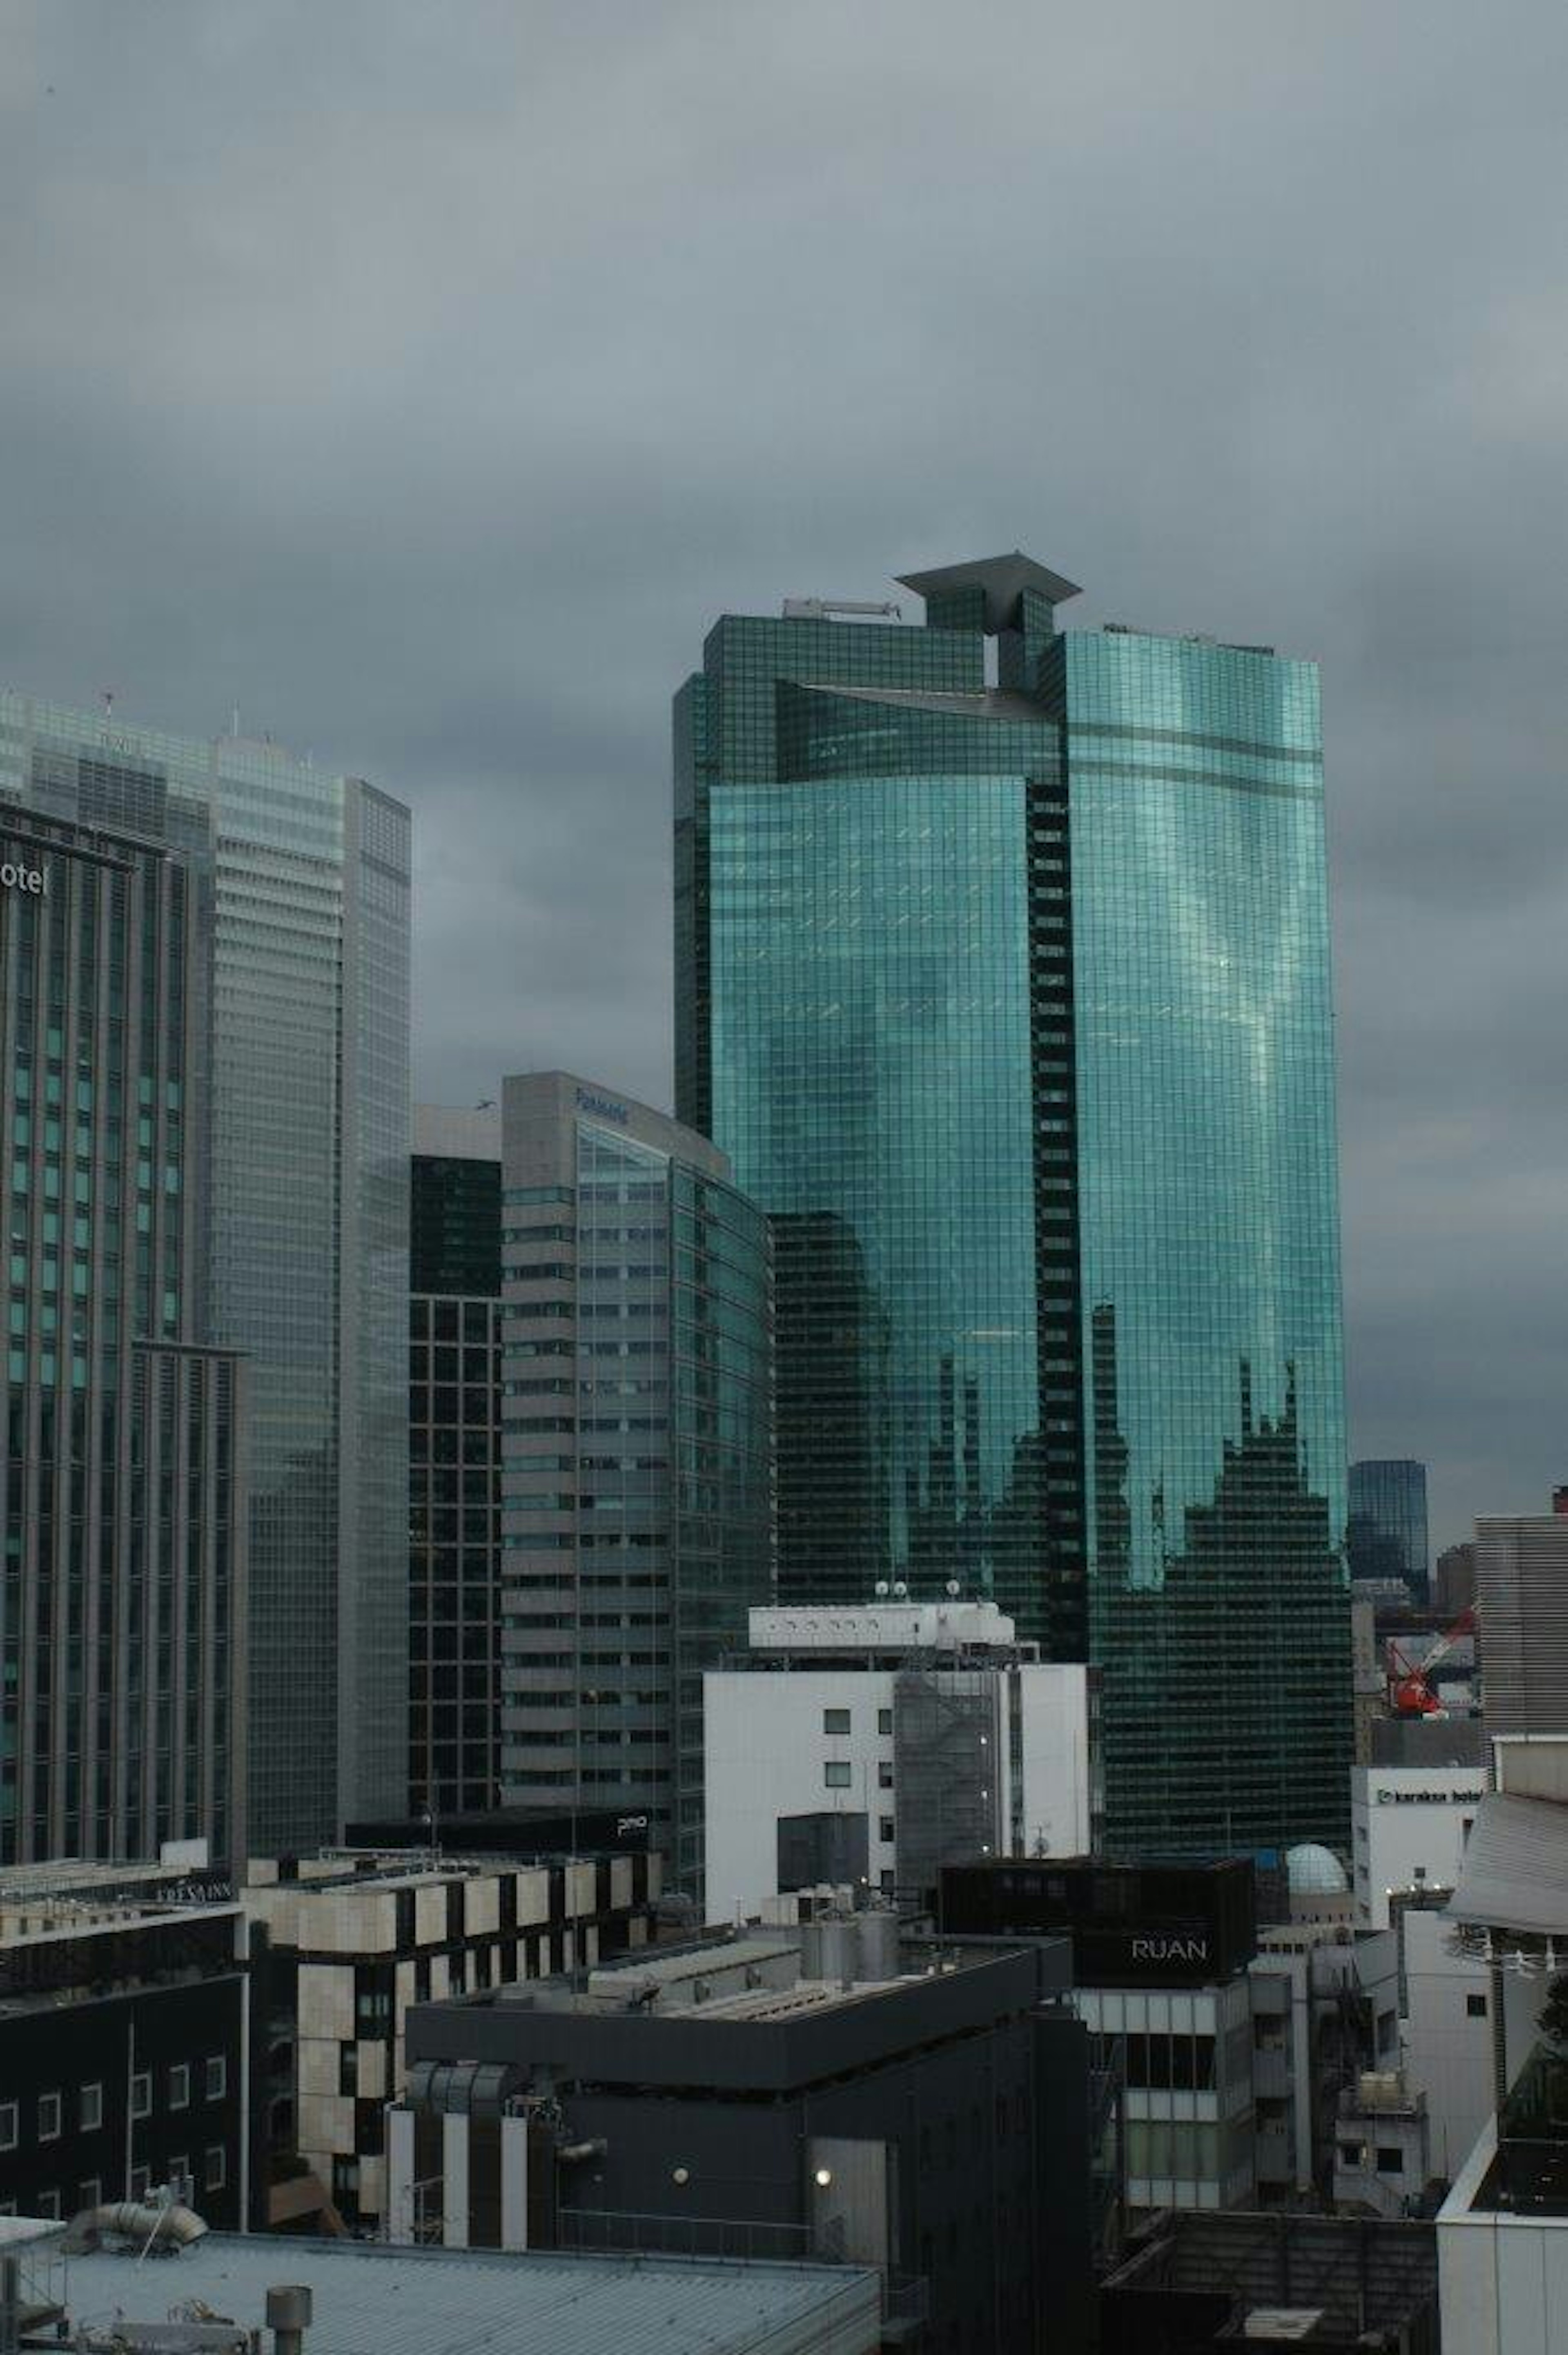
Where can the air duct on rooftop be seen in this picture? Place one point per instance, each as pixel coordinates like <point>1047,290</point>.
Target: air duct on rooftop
<point>132,2219</point>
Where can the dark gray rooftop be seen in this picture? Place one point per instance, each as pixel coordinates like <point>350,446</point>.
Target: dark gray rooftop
<point>784,2035</point>
<point>1003,579</point>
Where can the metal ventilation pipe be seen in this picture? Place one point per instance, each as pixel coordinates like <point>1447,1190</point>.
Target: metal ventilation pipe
<point>136,2221</point>
<point>289,2317</point>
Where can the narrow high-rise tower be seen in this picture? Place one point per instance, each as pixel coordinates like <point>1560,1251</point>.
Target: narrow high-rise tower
<point>122,1489</point>
<point>1009,1001</point>
<point>636,1485</point>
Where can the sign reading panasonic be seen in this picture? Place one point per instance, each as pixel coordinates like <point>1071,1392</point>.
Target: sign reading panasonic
<point>14,878</point>
<point>603,1107</point>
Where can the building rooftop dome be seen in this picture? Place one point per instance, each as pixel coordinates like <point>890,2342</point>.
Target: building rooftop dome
<point>1314,1870</point>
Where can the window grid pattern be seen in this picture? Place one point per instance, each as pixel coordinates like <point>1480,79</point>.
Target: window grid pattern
<point>304,912</point>
<point>637,1489</point>
<point>871,1024</point>
<point>1208,1241</point>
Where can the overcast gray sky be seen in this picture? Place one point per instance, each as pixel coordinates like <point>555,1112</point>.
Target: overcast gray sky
<point>423,379</point>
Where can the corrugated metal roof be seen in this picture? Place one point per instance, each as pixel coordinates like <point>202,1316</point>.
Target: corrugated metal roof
<point>373,2300</point>
<point>1515,1870</point>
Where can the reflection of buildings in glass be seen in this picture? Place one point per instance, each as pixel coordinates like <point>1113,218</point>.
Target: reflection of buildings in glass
<point>1202,1750</point>
<point>1028,986</point>
<point>830,1407</point>
<point>1113,1522</point>
<point>303,908</point>
<point>854,941</point>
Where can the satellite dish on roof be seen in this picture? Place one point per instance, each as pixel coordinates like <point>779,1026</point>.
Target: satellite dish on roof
<point>953,1588</point>
<point>881,1586</point>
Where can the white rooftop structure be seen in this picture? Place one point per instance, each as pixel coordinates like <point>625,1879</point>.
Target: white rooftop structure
<point>871,1743</point>
<point>949,1626</point>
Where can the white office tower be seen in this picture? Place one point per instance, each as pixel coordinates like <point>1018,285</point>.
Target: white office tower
<point>869,1746</point>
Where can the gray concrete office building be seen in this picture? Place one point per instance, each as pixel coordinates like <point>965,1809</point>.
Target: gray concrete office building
<point>637,1497</point>
<point>1522,1604</point>
<point>302,909</point>
<point>122,1480</point>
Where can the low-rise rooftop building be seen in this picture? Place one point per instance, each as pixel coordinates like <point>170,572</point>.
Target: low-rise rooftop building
<point>825,2088</point>
<point>356,1939</point>
<point>1330,2283</point>
<point>365,2298</point>
<point>1503,2229</point>
<point>125,2036</point>
<point>875,1744</point>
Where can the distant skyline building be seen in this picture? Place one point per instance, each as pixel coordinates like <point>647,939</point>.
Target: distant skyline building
<point>1009,997</point>
<point>637,1488</point>
<point>454,1463</point>
<point>304,1219</point>
<point>1455,1581</point>
<point>122,1483</point>
<point>1387,1526</point>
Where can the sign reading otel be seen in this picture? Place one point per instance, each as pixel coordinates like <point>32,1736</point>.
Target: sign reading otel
<point>23,879</point>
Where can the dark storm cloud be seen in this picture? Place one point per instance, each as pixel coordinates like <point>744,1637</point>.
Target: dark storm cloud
<point>423,381</point>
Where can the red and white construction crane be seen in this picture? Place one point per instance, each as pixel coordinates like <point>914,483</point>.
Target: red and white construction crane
<point>1410,1692</point>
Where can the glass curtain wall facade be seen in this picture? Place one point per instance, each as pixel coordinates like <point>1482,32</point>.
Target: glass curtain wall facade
<point>1009,1002</point>
<point>1388,1522</point>
<point>454,1465</point>
<point>122,1483</point>
<point>637,1493</point>
<point>1208,1233</point>
<point>304,1215</point>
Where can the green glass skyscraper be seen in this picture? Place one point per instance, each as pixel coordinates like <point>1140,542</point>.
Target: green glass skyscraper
<point>1008,998</point>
